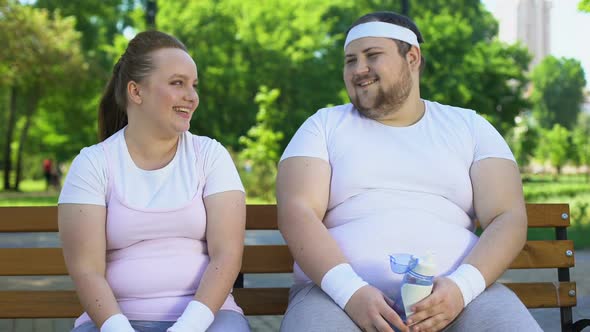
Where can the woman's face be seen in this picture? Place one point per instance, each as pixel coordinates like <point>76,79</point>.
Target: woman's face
<point>168,95</point>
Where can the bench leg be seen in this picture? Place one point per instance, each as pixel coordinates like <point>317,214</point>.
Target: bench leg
<point>581,324</point>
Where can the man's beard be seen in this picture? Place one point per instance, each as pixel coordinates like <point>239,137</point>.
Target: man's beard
<point>387,102</point>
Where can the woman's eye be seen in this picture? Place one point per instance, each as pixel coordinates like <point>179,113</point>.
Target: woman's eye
<point>177,83</point>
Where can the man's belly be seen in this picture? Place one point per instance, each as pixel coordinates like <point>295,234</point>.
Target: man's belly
<point>368,242</point>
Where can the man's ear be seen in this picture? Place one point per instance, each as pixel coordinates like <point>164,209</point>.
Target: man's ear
<point>414,57</point>
<point>134,92</point>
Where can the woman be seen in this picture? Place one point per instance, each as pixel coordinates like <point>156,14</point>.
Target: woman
<point>152,218</point>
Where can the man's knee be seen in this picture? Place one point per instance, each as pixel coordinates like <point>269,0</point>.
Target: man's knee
<point>310,309</point>
<point>496,309</point>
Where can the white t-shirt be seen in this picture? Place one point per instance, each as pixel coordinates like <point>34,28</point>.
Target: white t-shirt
<point>399,189</point>
<point>167,188</point>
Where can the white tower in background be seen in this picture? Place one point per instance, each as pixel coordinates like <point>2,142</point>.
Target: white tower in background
<point>527,21</point>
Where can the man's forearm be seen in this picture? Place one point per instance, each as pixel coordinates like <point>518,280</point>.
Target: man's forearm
<point>307,236</point>
<point>498,245</point>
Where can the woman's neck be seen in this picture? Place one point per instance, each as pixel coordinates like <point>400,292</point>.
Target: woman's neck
<point>148,151</point>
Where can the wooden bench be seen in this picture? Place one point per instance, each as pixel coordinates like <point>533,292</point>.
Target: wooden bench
<point>551,253</point>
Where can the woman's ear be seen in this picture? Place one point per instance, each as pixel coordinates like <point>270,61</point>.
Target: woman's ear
<point>134,92</point>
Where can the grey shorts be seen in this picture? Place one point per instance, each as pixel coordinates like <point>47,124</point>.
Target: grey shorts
<point>496,309</point>
<point>225,320</point>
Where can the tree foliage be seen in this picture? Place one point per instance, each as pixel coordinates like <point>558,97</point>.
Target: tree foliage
<point>553,146</point>
<point>261,147</point>
<point>584,5</point>
<point>558,91</point>
<point>44,54</point>
<point>294,46</point>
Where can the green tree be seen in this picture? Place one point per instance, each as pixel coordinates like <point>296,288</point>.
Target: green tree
<point>258,160</point>
<point>523,139</point>
<point>584,5</point>
<point>296,46</point>
<point>553,147</point>
<point>581,142</point>
<point>558,91</point>
<point>42,50</point>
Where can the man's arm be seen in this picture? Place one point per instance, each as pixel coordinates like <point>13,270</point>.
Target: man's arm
<point>500,210</point>
<point>303,189</point>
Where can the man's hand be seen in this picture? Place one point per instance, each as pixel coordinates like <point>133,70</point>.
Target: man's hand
<point>371,311</point>
<point>439,309</point>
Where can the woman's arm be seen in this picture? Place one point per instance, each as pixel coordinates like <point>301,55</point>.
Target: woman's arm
<point>82,232</point>
<point>226,220</point>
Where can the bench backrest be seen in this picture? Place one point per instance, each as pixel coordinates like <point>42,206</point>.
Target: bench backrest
<point>551,253</point>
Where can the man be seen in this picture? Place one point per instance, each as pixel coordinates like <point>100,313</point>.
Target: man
<point>393,173</point>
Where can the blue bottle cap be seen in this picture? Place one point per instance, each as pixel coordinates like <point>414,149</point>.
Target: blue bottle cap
<point>402,263</point>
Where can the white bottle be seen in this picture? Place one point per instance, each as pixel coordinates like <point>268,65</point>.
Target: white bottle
<point>417,283</point>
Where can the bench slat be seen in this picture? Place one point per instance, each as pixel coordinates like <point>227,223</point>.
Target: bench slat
<point>254,301</point>
<point>545,294</point>
<point>258,217</point>
<point>548,215</point>
<point>265,259</point>
<point>29,219</point>
<point>545,254</point>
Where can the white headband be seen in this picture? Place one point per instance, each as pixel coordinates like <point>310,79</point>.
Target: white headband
<point>382,29</point>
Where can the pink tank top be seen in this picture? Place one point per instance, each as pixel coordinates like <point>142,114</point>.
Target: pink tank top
<point>155,257</point>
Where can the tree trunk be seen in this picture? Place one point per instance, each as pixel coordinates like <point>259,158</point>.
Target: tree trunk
<point>32,102</point>
<point>9,133</point>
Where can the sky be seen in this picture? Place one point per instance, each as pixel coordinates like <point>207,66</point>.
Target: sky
<point>569,32</point>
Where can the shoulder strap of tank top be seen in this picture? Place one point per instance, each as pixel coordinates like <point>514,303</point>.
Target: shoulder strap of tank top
<point>106,150</point>
<point>199,157</point>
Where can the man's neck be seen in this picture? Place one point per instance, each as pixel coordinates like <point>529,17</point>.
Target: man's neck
<point>408,114</point>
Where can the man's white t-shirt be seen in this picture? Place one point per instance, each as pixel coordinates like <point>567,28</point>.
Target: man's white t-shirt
<point>399,189</point>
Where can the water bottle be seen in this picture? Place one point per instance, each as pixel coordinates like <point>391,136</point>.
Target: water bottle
<point>418,278</point>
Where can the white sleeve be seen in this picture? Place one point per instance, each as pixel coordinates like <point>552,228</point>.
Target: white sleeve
<point>86,181</point>
<point>309,140</point>
<point>488,141</point>
<point>220,172</point>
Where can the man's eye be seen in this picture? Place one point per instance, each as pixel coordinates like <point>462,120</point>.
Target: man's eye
<point>350,61</point>
<point>372,55</point>
<point>177,83</point>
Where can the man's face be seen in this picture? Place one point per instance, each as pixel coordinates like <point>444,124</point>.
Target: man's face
<point>377,77</point>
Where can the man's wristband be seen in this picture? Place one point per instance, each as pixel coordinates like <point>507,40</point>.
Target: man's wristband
<point>116,323</point>
<point>469,280</point>
<point>340,283</point>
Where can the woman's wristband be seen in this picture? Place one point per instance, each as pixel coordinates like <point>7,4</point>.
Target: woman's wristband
<point>469,280</point>
<point>116,323</point>
<point>197,317</point>
<point>340,283</point>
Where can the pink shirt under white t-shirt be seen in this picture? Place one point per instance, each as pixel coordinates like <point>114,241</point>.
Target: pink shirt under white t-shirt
<point>398,189</point>
<point>156,220</point>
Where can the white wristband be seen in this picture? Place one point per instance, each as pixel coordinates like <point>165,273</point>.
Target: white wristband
<point>340,283</point>
<point>116,323</point>
<point>469,280</point>
<point>196,318</point>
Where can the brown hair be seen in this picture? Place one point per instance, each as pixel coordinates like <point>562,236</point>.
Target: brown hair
<point>134,65</point>
<point>397,19</point>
